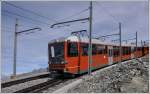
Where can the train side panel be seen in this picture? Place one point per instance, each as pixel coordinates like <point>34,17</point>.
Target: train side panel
<point>98,60</point>
<point>76,57</point>
<point>72,60</point>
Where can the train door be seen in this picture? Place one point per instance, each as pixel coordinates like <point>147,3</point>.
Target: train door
<point>110,55</point>
<point>143,51</point>
<point>132,52</point>
<point>72,57</point>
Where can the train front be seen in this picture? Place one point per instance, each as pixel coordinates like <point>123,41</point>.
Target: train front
<point>56,57</point>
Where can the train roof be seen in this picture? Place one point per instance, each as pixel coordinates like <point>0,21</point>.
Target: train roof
<point>73,38</point>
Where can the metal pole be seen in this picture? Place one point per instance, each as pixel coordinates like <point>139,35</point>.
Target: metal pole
<point>15,45</point>
<point>136,42</point>
<point>141,43</point>
<point>126,41</point>
<point>120,42</point>
<point>15,48</point>
<point>90,40</point>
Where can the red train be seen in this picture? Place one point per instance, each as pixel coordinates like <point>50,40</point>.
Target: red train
<point>69,55</point>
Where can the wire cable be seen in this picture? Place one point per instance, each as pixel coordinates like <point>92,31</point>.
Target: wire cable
<point>24,17</point>
<point>33,22</point>
<point>30,11</point>
<point>75,14</point>
<point>106,11</point>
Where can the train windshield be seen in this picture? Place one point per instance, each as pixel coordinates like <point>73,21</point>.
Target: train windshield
<point>56,50</point>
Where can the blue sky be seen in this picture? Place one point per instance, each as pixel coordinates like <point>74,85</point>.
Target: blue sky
<point>32,48</point>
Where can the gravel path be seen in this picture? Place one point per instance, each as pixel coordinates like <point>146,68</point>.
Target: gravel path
<point>129,77</point>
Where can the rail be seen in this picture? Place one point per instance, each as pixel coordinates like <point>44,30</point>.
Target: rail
<point>42,86</point>
<point>21,80</point>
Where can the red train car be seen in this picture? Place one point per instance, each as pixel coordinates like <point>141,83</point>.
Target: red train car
<point>70,54</point>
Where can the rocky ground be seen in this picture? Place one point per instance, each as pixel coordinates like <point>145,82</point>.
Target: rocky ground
<point>128,77</point>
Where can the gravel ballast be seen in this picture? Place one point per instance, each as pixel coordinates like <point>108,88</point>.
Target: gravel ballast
<point>21,86</point>
<point>58,86</point>
<point>129,77</point>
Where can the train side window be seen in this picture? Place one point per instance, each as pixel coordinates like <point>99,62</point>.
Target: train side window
<point>72,49</point>
<point>138,48</point>
<point>134,49</point>
<point>123,50</point>
<point>115,51</point>
<point>126,50</point>
<point>101,49</point>
<point>49,51</point>
<point>118,51</point>
<point>105,50</point>
<point>109,53</point>
<point>84,49</point>
<point>129,50</point>
<point>94,49</point>
<point>52,51</point>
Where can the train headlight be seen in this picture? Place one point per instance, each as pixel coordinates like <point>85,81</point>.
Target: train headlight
<point>63,62</point>
<point>64,70</point>
<point>104,56</point>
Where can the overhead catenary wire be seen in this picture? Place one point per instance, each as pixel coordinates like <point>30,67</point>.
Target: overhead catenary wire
<point>131,35</point>
<point>45,16</point>
<point>73,15</point>
<point>33,22</point>
<point>106,11</point>
<point>24,17</point>
<point>70,21</point>
<point>12,29</point>
<point>114,31</point>
<point>42,15</point>
<point>109,14</point>
<point>76,14</point>
<point>29,11</point>
<point>27,26</point>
